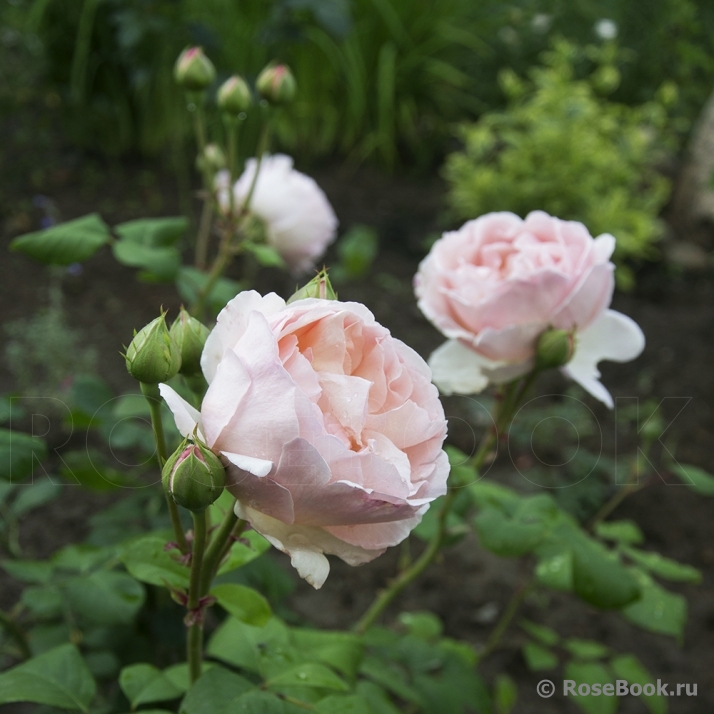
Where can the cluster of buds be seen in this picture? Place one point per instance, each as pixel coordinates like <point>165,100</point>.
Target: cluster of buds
<point>157,354</point>
<point>195,73</point>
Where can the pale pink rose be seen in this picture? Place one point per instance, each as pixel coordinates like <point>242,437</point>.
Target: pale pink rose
<point>299,219</point>
<point>497,283</point>
<point>331,428</point>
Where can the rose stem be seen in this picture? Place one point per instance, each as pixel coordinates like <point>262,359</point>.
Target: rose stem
<point>219,546</point>
<point>194,640</point>
<point>505,413</point>
<point>153,397</point>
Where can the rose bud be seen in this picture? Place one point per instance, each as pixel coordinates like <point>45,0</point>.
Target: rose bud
<point>193,70</point>
<point>152,356</point>
<point>554,349</point>
<point>276,84</point>
<point>212,159</point>
<point>319,287</point>
<point>234,96</point>
<point>193,476</point>
<point>190,336</point>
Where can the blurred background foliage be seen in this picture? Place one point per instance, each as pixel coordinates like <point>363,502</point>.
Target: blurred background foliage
<point>381,80</point>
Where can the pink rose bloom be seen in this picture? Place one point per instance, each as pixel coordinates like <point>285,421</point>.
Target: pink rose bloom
<point>298,217</point>
<point>497,283</point>
<point>330,427</point>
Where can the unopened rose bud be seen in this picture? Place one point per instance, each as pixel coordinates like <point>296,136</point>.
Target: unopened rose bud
<point>193,476</point>
<point>193,70</point>
<point>152,356</point>
<point>234,96</point>
<point>555,348</point>
<point>212,159</point>
<point>190,336</point>
<point>276,84</point>
<point>318,287</point>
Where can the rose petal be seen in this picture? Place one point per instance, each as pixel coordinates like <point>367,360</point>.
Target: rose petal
<point>186,417</point>
<point>613,337</point>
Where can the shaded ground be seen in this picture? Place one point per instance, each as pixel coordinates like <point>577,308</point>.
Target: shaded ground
<point>468,586</point>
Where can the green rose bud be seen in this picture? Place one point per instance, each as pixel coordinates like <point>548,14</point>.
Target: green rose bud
<point>234,96</point>
<point>193,70</point>
<point>212,159</point>
<point>190,336</point>
<point>193,476</point>
<point>153,356</point>
<point>318,287</point>
<point>276,84</point>
<point>555,348</point>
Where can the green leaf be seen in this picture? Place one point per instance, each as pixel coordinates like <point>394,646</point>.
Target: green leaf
<point>628,667</point>
<point>19,455</point>
<point>144,684</point>
<point>591,673</point>
<point>391,678</point>
<point>424,625</point>
<point>58,678</point>
<point>10,409</point>
<point>342,651</point>
<point>243,603</point>
<point>555,567</point>
<point>105,597</point>
<point>159,264</point>
<point>34,496</point>
<point>309,674</point>
<point>81,558</point>
<point>658,610</point>
<point>87,468</point>
<point>621,531</point>
<point>266,255</point>
<point>70,242</point>
<point>28,571</point>
<point>45,637</point>
<point>245,646</point>
<point>541,632</point>
<point>44,602</point>
<point>505,694</point>
<point>356,250</point>
<point>256,702</point>
<point>190,281</point>
<point>377,698</point>
<point>599,578</point>
<point>146,559</point>
<point>519,532</point>
<point>242,553</point>
<point>538,658</point>
<point>664,567</point>
<point>214,691</point>
<point>155,232</point>
<point>585,649</point>
<point>343,704</point>
<point>697,479</point>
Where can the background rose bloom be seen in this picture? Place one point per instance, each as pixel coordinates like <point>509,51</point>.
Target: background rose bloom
<point>299,219</point>
<point>500,281</point>
<point>331,427</point>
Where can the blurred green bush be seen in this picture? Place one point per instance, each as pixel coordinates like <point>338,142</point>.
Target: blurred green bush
<point>378,79</point>
<point>563,147</point>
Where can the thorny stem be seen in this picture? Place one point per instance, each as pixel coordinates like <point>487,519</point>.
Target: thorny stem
<point>194,642</point>
<point>153,397</point>
<point>506,410</point>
